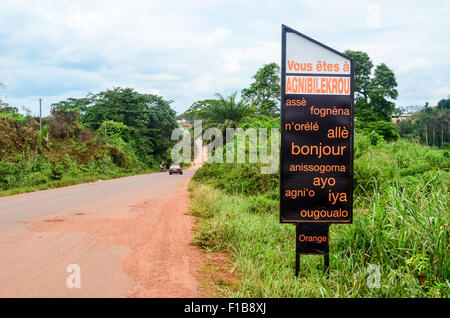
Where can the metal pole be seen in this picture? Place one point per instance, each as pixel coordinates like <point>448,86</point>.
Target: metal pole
<point>297,254</point>
<point>326,263</point>
<point>297,263</point>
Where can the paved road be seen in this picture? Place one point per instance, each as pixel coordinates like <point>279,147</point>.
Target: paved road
<point>130,237</point>
<point>16,209</point>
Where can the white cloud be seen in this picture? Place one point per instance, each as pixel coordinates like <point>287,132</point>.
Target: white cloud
<point>236,59</point>
<point>163,77</point>
<point>189,50</point>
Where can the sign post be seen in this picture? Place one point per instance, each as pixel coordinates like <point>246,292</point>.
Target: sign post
<point>317,88</point>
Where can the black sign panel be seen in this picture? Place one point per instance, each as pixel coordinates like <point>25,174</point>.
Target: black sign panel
<point>312,238</point>
<point>316,132</point>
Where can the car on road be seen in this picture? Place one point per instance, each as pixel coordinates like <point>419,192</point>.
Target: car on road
<point>175,169</point>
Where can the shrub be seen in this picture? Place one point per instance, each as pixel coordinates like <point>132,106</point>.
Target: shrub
<point>375,138</point>
<point>57,171</point>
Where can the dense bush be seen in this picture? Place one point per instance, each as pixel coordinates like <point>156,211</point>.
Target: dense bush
<point>60,158</point>
<point>376,163</point>
<point>383,128</point>
<point>237,178</point>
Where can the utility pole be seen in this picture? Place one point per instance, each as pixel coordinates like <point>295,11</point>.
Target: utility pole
<point>40,115</point>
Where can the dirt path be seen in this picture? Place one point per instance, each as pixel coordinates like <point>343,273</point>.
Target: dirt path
<point>136,244</point>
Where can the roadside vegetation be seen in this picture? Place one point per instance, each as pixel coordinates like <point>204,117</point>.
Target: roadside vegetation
<point>401,207</point>
<point>111,134</point>
<point>401,219</point>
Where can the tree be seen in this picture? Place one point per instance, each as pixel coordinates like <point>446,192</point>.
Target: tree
<point>76,104</point>
<point>161,117</point>
<point>63,123</point>
<point>149,118</point>
<point>7,109</point>
<point>221,112</point>
<point>265,92</point>
<point>161,122</point>
<point>373,92</point>
<point>444,104</point>
<point>120,105</point>
<point>363,70</point>
<point>430,125</point>
<point>382,91</point>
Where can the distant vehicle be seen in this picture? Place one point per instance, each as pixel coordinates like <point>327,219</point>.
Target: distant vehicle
<point>175,169</point>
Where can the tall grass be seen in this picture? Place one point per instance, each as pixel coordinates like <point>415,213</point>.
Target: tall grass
<point>400,224</point>
<point>37,172</point>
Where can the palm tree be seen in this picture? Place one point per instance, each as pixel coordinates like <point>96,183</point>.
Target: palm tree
<point>228,112</point>
<point>221,112</point>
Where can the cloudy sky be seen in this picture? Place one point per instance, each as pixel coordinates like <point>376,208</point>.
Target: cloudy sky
<point>189,50</point>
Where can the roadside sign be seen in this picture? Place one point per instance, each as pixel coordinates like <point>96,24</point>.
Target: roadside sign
<point>316,132</point>
<point>317,90</point>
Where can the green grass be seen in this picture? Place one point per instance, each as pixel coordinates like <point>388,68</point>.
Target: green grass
<point>37,172</point>
<point>70,181</point>
<point>400,224</point>
<point>263,250</point>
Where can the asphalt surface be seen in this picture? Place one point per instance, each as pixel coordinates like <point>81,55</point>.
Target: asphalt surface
<point>31,206</point>
<point>127,237</point>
